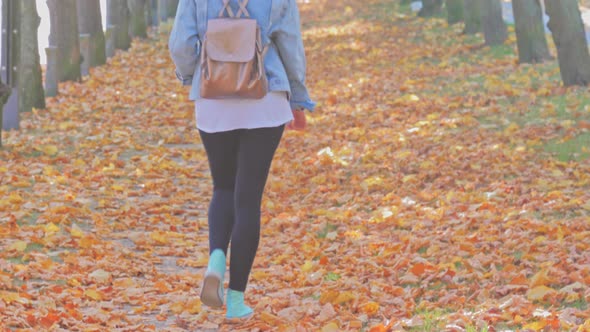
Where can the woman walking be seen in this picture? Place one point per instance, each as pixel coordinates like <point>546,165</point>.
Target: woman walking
<point>241,135</point>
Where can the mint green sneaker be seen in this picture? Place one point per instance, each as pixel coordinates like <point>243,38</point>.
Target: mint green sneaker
<point>212,292</point>
<point>236,309</point>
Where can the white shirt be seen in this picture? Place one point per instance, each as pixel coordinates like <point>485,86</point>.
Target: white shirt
<point>217,115</point>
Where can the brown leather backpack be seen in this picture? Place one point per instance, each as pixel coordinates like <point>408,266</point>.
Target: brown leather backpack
<point>232,56</point>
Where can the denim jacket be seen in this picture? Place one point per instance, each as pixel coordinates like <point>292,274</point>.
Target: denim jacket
<point>284,62</point>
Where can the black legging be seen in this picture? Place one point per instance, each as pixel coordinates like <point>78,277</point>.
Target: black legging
<point>239,161</point>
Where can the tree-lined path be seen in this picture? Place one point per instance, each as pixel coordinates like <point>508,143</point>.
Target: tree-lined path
<point>439,186</point>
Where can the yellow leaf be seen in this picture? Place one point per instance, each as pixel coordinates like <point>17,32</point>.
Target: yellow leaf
<point>93,294</point>
<point>18,246</point>
<point>74,282</point>
<point>513,127</point>
<point>177,308</point>
<point>539,292</point>
<point>109,168</point>
<point>159,237</point>
<point>9,297</point>
<point>535,326</point>
<point>540,279</point>
<point>370,308</point>
<point>87,241</point>
<point>15,198</point>
<point>560,234</point>
<point>257,275</point>
<point>329,296</point>
<point>306,267</point>
<point>344,297</point>
<point>270,318</point>
<point>193,306</point>
<point>76,231</point>
<point>49,150</point>
<point>21,184</point>
<point>330,327</point>
<point>51,228</point>
<point>118,187</point>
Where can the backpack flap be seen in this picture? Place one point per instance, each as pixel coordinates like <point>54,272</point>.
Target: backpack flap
<point>231,40</point>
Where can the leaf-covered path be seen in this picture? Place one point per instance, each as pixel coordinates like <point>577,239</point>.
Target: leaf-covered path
<point>422,197</point>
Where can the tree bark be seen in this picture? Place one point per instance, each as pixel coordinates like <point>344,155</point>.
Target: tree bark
<point>454,11</point>
<point>494,27</point>
<point>567,28</point>
<point>472,11</point>
<point>4,94</point>
<point>64,35</point>
<point>155,19</point>
<point>30,82</point>
<point>138,18</point>
<point>11,47</point>
<point>90,22</point>
<point>148,13</point>
<point>163,10</point>
<point>530,32</point>
<point>429,8</point>
<point>118,16</point>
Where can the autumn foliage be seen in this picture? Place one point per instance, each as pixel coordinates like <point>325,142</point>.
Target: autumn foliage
<point>414,201</point>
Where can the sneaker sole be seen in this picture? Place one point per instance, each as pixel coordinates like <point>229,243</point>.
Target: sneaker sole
<point>210,293</point>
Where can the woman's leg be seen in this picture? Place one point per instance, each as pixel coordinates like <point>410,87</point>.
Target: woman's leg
<point>256,150</point>
<point>222,153</point>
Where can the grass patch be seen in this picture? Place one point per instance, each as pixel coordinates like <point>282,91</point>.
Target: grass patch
<point>328,228</point>
<point>28,220</point>
<point>577,148</point>
<point>433,320</point>
<point>580,304</point>
<point>501,51</point>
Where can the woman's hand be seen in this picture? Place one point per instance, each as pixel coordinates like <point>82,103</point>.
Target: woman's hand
<point>299,120</point>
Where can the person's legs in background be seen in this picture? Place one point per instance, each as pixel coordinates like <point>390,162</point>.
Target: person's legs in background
<point>240,161</point>
<point>255,153</point>
<point>222,154</point>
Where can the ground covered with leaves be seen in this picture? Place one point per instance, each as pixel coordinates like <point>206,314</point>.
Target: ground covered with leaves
<point>439,186</point>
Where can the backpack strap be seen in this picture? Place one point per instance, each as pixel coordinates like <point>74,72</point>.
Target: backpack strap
<point>242,11</point>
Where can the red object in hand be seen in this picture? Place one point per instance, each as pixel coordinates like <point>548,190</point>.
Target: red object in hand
<point>299,121</point>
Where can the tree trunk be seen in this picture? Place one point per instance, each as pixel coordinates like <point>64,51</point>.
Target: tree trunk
<point>173,4</point>
<point>118,16</point>
<point>148,13</point>
<point>4,94</point>
<point>429,8</point>
<point>30,82</point>
<point>454,11</point>
<point>472,11</point>
<point>64,35</point>
<point>10,64</point>
<point>530,32</point>
<point>567,28</point>
<point>163,10</point>
<point>494,27</point>
<point>90,22</point>
<point>138,18</point>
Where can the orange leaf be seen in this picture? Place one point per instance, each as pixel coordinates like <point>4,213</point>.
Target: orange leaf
<point>48,320</point>
<point>379,328</point>
<point>370,308</point>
